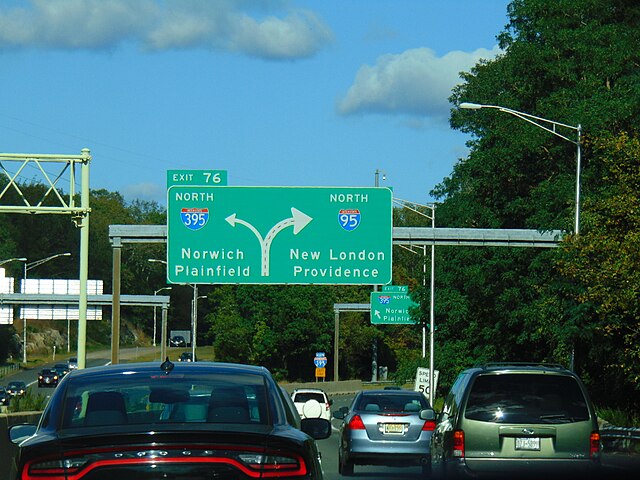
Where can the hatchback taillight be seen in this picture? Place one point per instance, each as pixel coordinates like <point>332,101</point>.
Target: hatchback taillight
<point>356,423</point>
<point>594,445</point>
<point>458,443</point>
<point>429,426</point>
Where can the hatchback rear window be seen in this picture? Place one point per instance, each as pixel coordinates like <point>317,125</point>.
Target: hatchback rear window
<point>526,398</point>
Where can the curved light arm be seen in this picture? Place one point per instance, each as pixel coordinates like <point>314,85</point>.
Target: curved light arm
<point>161,289</point>
<point>537,121</point>
<point>20,259</point>
<point>37,263</point>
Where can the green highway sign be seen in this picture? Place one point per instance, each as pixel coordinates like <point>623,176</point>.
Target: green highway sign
<point>391,308</point>
<point>395,288</point>
<point>279,235</point>
<point>196,177</point>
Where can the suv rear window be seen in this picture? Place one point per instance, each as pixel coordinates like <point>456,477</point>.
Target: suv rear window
<point>303,397</point>
<point>526,398</point>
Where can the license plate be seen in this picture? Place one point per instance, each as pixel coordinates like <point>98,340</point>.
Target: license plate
<point>527,443</point>
<point>393,428</point>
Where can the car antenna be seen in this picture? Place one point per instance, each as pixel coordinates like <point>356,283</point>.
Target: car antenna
<point>167,366</point>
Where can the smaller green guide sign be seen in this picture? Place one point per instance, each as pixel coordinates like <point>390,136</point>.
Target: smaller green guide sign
<point>391,308</point>
<point>211,178</point>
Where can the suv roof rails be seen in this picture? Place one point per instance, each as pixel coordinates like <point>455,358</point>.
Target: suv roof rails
<point>520,364</point>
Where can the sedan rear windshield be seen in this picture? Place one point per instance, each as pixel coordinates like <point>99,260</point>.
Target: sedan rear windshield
<point>136,398</point>
<point>526,398</point>
<point>392,403</point>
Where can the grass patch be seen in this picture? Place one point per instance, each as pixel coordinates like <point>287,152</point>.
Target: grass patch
<point>618,417</point>
<point>30,402</point>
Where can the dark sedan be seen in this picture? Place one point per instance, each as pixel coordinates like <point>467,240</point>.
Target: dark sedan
<point>196,420</point>
<point>48,377</point>
<point>5,397</point>
<point>16,388</point>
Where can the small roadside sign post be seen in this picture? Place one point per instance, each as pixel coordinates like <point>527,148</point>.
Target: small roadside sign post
<point>422,381</point>
<point>320,361</point>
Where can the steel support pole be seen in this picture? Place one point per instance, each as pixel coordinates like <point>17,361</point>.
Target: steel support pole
<point>195,321</point>
<point>163,339</point>
<point>115,309</point>
<point>336,337</point>
<point>84,260</point>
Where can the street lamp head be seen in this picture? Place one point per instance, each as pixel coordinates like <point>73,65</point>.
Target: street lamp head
<point>470,106</point>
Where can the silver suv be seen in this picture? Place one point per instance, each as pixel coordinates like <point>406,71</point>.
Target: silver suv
<point>517,420</point>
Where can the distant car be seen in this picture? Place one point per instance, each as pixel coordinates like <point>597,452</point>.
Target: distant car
<point>62,369</point>
<point>16,388</point>
<point>186,357</point>
<point>72,363</point>
<point>312,403</point>
<point>197,420</point>
<point>5,397</point>
<point>385,427</point>
<point>517,420</point>
<point>177,341</point>
<point>48,377</point>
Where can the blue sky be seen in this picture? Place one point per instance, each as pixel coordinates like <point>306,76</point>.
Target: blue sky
<point>276,92</point>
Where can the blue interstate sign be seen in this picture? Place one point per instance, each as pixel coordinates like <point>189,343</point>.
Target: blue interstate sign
<point>349,219</point>
<point>194,218</point>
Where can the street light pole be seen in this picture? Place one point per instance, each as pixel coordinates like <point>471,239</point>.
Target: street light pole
<point>155,315</point>
<point>195,320</point>
<point>27,267</point>
<point>432,320</point>
<point>550,126</point>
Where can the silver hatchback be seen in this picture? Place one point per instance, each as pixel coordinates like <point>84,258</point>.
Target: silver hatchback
<point>385,427</point>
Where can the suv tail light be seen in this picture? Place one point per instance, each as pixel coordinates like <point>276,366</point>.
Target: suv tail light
<point>458,443</point>
<point>356,423</point>
<point>594,445</point>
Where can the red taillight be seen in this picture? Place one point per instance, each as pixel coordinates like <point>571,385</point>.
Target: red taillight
<point>458,443</point>
<point>356,423</point>
<point>327,406</point>
<point>429,426</point>
<point>594,445</point>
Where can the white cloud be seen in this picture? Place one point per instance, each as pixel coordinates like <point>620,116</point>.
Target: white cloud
<point>144,191</point>
<point>280,33</point>
<point>415,82</point>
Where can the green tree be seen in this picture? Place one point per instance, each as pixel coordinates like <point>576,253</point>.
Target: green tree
<point>604,261</point>
<point>576,62</point>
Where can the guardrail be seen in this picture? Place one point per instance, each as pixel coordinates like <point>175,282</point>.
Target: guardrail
<point>7,369</point>
<point>623,439</point>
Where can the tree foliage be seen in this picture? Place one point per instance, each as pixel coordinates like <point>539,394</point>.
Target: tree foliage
<point>574,62</point>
